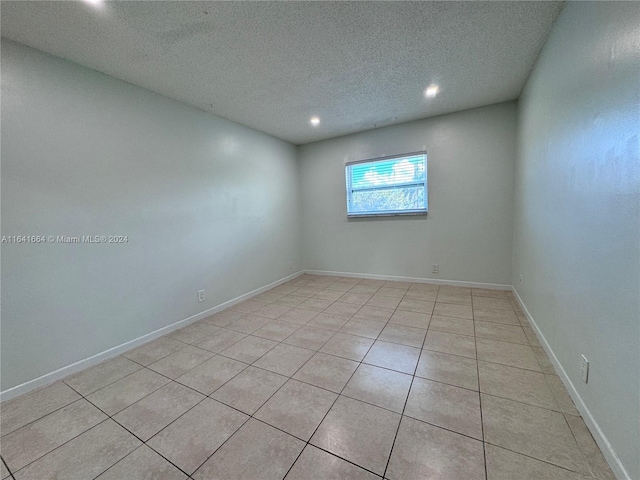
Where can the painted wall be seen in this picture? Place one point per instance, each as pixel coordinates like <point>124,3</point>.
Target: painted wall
<point>577,229</point>
<point>468,231</point>
<point>205,203</point>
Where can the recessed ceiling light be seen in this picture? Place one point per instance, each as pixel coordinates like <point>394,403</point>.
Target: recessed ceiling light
<point>315,121</point>
<point>431,91</point>
<point>95,3</point>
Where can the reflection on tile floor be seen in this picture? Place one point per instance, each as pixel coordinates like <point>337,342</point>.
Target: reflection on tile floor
<point>320,377</point>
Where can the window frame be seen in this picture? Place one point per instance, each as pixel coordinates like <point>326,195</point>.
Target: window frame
<point>349,188</point>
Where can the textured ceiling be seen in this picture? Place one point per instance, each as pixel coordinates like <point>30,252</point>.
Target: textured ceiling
<point>273,65</point>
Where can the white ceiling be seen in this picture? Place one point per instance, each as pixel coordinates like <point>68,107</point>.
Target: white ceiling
<point>273,65</point>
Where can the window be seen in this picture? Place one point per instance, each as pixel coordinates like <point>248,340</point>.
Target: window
<point>394,185</point>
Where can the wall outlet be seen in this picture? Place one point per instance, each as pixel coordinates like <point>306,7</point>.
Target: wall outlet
<point>290,265</point>
<point>520,279</point>
<point>434,268</point>
<point>584,368</point>
<point>201,296</point>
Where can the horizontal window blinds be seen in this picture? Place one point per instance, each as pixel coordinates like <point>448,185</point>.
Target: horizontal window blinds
<point>387,186</point>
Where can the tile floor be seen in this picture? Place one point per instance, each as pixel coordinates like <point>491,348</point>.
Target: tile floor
<point>321,377</point>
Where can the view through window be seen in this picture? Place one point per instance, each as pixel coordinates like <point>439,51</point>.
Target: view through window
<point>387,186</point>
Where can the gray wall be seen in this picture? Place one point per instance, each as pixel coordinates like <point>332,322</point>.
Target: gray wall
<point>206,203</point>
<point>468,231</point>
<point>577,229</point>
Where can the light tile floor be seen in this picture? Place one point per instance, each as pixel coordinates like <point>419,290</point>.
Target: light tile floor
<point>321,377</point>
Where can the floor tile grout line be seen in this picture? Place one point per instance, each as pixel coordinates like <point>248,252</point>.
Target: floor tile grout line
<point>54,411</point>
<point>252,415</point>
<point>485,361</point>
<point>115,381</point>
<point>406,400</point>
<point>553,393</point>
<point>439,381</point>
<point>219,446</point>
<point>534,458</point>
<point>200,339</point>
<point>140,399</point>
<point>475,343</point>
<point>6,466</point>
<point>337,456</point>
<point>480,393</point>
<point>361,362</point>
<point>150,447</point>
<point>166,426</point>
<point>60,446</point>
<point>227,439</point>
<point>238,360</point>
<point>281,321</point>
<point>332,335</point>
<point>110,417</point>
<point>139,446</point>
<point>440,427</point>
<point>584,455</point>
<point>308,442</point>
<point>45,415</point>
<point>149,342</point>
<point>575,439</point>
<point>144,442</point>
<point>64,380</point>
<point>520,402</point>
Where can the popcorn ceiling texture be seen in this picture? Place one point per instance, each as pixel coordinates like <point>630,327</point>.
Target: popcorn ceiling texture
<point>272,65</point>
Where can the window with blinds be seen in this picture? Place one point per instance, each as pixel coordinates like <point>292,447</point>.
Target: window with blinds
<point>395,185</point>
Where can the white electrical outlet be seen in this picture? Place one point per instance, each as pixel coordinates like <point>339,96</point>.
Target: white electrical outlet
<point>434,268</point>
<point>520,278</point>
<point>290,265</point>
<point>201,296</point>
<point>584,368</point>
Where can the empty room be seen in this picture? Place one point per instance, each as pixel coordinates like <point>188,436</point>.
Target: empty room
<point>320,240</point>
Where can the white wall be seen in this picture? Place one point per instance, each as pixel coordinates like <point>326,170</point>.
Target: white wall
<point>577,229</point>
<point>206,204</point>
<point>468,231</point>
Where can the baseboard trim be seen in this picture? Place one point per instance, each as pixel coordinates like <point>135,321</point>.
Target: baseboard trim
<point>435,281</point>
<point>598,435</point>
<point>117,350</point>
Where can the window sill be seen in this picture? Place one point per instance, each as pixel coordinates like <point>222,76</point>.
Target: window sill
<point>376,215</point>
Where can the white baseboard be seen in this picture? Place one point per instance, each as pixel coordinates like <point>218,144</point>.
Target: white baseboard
<point>117,350</point>
<point>435,281</point>
<point>598,435</point>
